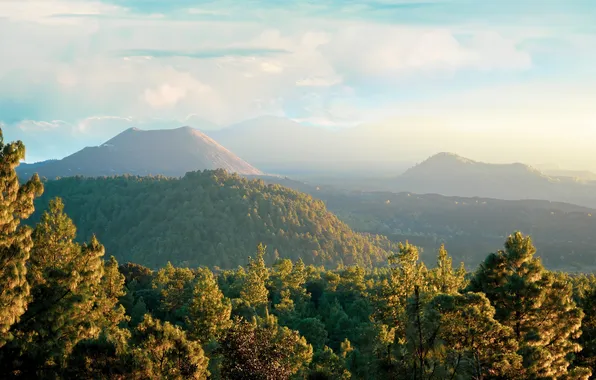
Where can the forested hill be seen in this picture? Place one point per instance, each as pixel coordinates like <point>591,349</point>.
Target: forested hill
<point>207,218</point>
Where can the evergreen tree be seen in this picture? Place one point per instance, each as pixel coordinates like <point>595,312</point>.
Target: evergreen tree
<point>65,280</point>
<point>209,312</point>
<point>443,278</point>
<point>175,286</point>
<point>97,359</point>
<point>138,312</point>
<point>162,351</point>
<point>254,291</point>
<point>262,349</point>
<point>535,303</point>
<point>16,203</point>
<point>472,344</point>
<point>327,365</point>
<point>109,313</point>
<point>391,295</point>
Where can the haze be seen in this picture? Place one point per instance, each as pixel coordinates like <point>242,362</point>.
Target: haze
<point>406,79</point>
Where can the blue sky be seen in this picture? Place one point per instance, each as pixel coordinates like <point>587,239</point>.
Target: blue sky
<point>75,72</point>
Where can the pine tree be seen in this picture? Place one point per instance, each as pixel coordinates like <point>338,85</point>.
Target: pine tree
<point>109,313</point>
<point>472,344</point>
<point>175,286</point>
<point>262,349</point>
<point>162,351</point>
<point>16,203</point>
<point>209,312</point>
<point>65,280</point>
<point>443,278</point>
<point>327,365</point>
<point>138,312</point>
<point>535,303</point>
<point>254,290</point>
<point>407,274</point>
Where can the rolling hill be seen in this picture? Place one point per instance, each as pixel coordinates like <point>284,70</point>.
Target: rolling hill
<point>170,152</point>
<point>207,218</point>
<point>470,227</point>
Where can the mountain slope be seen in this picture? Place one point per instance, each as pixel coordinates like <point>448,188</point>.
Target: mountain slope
<point>207,218</point>
<point>470,227</point>
<point>450,174</point>
<point>171,152</point>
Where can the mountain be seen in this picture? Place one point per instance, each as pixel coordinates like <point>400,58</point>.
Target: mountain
<point>171,152</point>
<point>207,218</point>
<point>453,175</point>
<point>450,174</point>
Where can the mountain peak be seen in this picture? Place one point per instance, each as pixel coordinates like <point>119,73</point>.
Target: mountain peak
<point>449,156</point>
<point>170,152</point>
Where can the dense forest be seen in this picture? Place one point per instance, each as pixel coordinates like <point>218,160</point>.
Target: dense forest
<point>69,311</point>
<point>471,227</point>
<point>208,218</point>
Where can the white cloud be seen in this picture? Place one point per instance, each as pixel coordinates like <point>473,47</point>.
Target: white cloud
<point>368,50</point>
<point>164,96</point>
<point>42,11</point>
<point>271,67</point>
<point>319,81</point>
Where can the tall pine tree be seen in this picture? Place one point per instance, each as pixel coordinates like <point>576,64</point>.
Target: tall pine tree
<point>66,280</point>
<point>536,304</point>
<point>16,203</point>
<point>209,311</point>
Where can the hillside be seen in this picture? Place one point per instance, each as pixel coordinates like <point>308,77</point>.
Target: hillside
<point>171,152</point>
<point>470,226</point>
<point>207,218</point>
<point>450,174</point>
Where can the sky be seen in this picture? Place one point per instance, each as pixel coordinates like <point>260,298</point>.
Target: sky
<point>504,80</point>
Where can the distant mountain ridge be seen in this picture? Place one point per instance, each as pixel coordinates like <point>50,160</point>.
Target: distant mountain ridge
<point>170,152</point>
<point>452,175</point>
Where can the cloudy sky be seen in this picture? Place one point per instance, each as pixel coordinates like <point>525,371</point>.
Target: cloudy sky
<point>76,72</point>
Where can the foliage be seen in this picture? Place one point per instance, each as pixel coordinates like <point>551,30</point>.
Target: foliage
<point>16,203</point>
<point>538,305</point>
<point>67,313</point>
<point>262,349</point>
<point>209,312</point>
<point>208,218</point>
<point>162,351</point>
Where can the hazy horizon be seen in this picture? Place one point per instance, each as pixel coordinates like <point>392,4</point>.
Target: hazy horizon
<point>499,83</point>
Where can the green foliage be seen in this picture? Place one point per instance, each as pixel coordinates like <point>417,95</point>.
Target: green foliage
<point>208,218</point>
<point>326,365</point>
<point>176,288</point>
<point>472,343</point>
<point>538,305</point>
<point>16,203</point>
<point>162,351</point>
<point>209,312</point>
<point>68,314</point>
<point>470,227</point>
<point>67,305</point>
<point>254,290</point>
<point>262,349</point>
<point>443,279</point>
